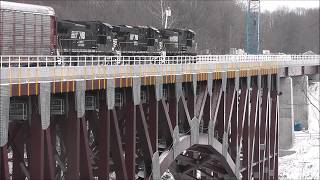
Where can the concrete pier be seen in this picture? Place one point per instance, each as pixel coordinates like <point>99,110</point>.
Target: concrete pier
<point>286,114</point>
<point>300,100</point>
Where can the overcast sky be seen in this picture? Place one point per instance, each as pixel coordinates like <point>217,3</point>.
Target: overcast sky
<point>274,4</point>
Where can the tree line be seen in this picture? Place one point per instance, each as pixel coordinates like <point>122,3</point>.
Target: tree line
<point>219,25</point>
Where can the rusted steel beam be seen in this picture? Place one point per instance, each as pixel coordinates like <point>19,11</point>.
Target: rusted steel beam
<point>49,168</point>
<point>273,129</point>
<point>36,163</point>
<point>116,150</point>
<point>72,139</point>
<point>267,142</point>
<point>86,162</point>
<point>206,113</point>
<point>246,141</point>
<point>153,119</point>
<point>41,163</point>
<point>242,111</point>
<point>253,125</point>
<point>215,102</point>
<point>167,130</point>
<point>16,141</point>
<point>263,131</point>
<point>103,139</point>
<point>229,112</point>
<point>186,110</point>
<point>230,98</point>
<point>203,102</point>
<point>219,124</point>
<point>130,134</point>
<point>190,97</point>
<point>4,166</point>
<point>234,129</point>
<point>173,106</point>
<point>145,140</point>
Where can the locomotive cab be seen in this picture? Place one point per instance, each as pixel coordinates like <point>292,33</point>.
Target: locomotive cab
<point>77,38</point>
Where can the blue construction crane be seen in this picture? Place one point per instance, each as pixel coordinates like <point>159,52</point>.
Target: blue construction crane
<point>252,27</point>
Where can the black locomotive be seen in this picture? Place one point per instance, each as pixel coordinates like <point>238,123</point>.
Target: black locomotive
<point>98,38</point>
<point>48,35</point>
<point>85,38</point>
<point>178,41</point>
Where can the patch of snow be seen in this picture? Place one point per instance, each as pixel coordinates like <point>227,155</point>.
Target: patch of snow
<point>305,162</point>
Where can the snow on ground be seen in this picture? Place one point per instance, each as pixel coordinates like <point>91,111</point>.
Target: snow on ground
<point>305,161</point>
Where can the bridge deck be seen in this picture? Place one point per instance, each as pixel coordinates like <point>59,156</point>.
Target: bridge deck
<point>24,73</point>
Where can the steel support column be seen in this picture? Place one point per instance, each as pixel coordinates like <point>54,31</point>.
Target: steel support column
<point>4,169</point>
<point>103,139</point>
<point>72,139</point>
<point>153,118</point>
<point>41,165</point>
<point>116,150</point>
<point>16,141</point>
<point>130,134</point>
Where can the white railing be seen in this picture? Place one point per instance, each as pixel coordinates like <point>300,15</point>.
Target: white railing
<point>26,69</point>
<point>51,61</point>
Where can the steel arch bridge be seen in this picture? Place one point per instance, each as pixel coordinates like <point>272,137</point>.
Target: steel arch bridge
<point>208,117</point>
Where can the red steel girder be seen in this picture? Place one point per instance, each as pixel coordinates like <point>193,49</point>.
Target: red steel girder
<point>4,168</point>
<point>116,144</point>
<point>104,140</point>
<point>153,119</point>
<point>41,163</point>
<point>130,134</point>
<point>16,141</point>
<point>77,144</point>
<point>144,136</point>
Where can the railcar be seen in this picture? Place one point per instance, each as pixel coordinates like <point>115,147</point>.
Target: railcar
<point>27,29</point>
<point>34,30</point>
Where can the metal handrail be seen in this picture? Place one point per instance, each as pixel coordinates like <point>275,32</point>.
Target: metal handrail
<point>49,61</point>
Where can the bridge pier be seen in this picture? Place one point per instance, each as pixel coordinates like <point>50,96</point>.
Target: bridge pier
<point>300,100</point>
<point>286,114</point>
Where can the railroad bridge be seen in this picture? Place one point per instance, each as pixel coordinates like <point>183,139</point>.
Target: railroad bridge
<point>199,117</point>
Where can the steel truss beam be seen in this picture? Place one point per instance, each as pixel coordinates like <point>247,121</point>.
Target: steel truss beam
<point>225,131</point>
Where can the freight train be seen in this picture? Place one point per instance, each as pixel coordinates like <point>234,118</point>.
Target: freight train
<point>35,30</point>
